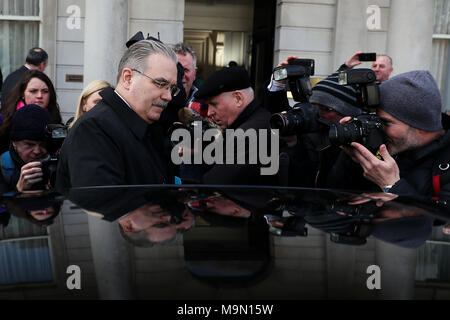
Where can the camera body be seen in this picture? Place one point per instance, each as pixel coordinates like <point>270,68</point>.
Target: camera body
<point>367,128</point>
<point>303,117</point>
<point>55,135</point>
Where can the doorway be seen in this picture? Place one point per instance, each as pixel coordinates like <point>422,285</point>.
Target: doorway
<point>222,31</point>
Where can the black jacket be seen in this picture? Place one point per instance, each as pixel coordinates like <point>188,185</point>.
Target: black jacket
<point>253,117</point>
<point>11,81</point>
<point>112,145</point>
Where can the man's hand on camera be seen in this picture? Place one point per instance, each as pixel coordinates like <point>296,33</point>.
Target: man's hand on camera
<point>354,60</point>
<point>30,174</point>
<point>381,172</point>
<point>285,63</point>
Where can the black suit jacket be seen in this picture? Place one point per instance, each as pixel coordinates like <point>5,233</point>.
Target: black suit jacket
<point>112,145</point>
<point>11,81</point>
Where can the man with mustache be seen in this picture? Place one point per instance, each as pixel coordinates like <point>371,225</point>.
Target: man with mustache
<point>117,142</point>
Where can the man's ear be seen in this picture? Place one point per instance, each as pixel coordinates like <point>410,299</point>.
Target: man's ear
<point>126,78</point>
<point>14,144</point>
<point>238,98</point>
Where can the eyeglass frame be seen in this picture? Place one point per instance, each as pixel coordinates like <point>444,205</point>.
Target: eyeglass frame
<point>160,84</point>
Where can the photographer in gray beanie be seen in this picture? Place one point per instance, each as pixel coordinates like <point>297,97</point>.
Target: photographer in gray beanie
<point>417,141</point>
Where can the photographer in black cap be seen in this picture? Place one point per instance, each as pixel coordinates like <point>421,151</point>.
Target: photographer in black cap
<point>232,105</point>
<point>309,159</point>
<point>20,168</point>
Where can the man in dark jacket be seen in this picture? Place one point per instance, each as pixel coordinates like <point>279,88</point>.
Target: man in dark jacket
<point>416,139</point>
<point>116,143</point>
<point>232,105</point>
<point>37,59</point>
<point>20,169</point>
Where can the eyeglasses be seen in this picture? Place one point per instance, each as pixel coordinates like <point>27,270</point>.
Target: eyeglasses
<point>162,84</point>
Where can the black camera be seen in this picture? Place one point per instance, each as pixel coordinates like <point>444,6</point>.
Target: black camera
<point>55,135</point>
<point>367,127</point>
<point>303,117</point>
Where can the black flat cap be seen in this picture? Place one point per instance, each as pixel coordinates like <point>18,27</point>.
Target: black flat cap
<point>139,36</point>
<point>225,80</point>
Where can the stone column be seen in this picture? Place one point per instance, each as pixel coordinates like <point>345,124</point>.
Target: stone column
<point>409,40</point>
<point>106,32</point>
<point>398,271</point>
<point>351,30</point>
<point>340,270</point>
<point>112,260</point>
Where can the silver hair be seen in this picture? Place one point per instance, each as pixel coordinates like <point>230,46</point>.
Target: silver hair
<point>184,49</point>
<point>136,56</point>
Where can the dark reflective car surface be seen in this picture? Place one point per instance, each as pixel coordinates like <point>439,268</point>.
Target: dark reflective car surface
<point>222,242</point>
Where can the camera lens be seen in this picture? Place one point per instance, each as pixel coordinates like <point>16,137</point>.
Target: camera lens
<point>287,122</point>
<point>277,121</point>
<point>344,134</point>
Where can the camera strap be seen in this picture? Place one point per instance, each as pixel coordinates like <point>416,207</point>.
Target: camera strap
<point>441,172</point>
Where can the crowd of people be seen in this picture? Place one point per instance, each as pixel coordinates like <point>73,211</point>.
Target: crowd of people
<point>119,133</point>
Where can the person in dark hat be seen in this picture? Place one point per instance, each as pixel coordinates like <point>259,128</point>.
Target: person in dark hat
<point>232,105</point>
<point>309,167</point>
<point>417,139</point>
<point>21,168</point>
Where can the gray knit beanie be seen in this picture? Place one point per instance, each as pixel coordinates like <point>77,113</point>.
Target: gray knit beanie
<point>413,98</point>
<point>330,94</point>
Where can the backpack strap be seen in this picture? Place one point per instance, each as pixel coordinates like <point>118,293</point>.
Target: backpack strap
<point>441,172</point>
<point>7,167</point>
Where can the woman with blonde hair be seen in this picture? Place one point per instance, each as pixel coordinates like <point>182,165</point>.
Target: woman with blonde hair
<point>89,98</point>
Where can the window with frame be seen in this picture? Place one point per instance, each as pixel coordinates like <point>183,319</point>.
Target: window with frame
<point>20,22</point>
<point>25,255</point>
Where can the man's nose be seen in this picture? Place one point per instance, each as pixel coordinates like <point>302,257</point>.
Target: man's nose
<point>38,149</point>
<point>167,95</point>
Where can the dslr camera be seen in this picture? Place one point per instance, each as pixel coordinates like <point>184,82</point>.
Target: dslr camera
<point>367,127</point>
<point>55,135</point>
<point>303,117</point>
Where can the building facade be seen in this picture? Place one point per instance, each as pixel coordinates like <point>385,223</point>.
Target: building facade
<point>85,40</point>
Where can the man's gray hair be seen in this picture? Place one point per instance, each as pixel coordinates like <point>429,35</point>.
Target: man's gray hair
<point>184,49</point>
<point>136,56</point>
